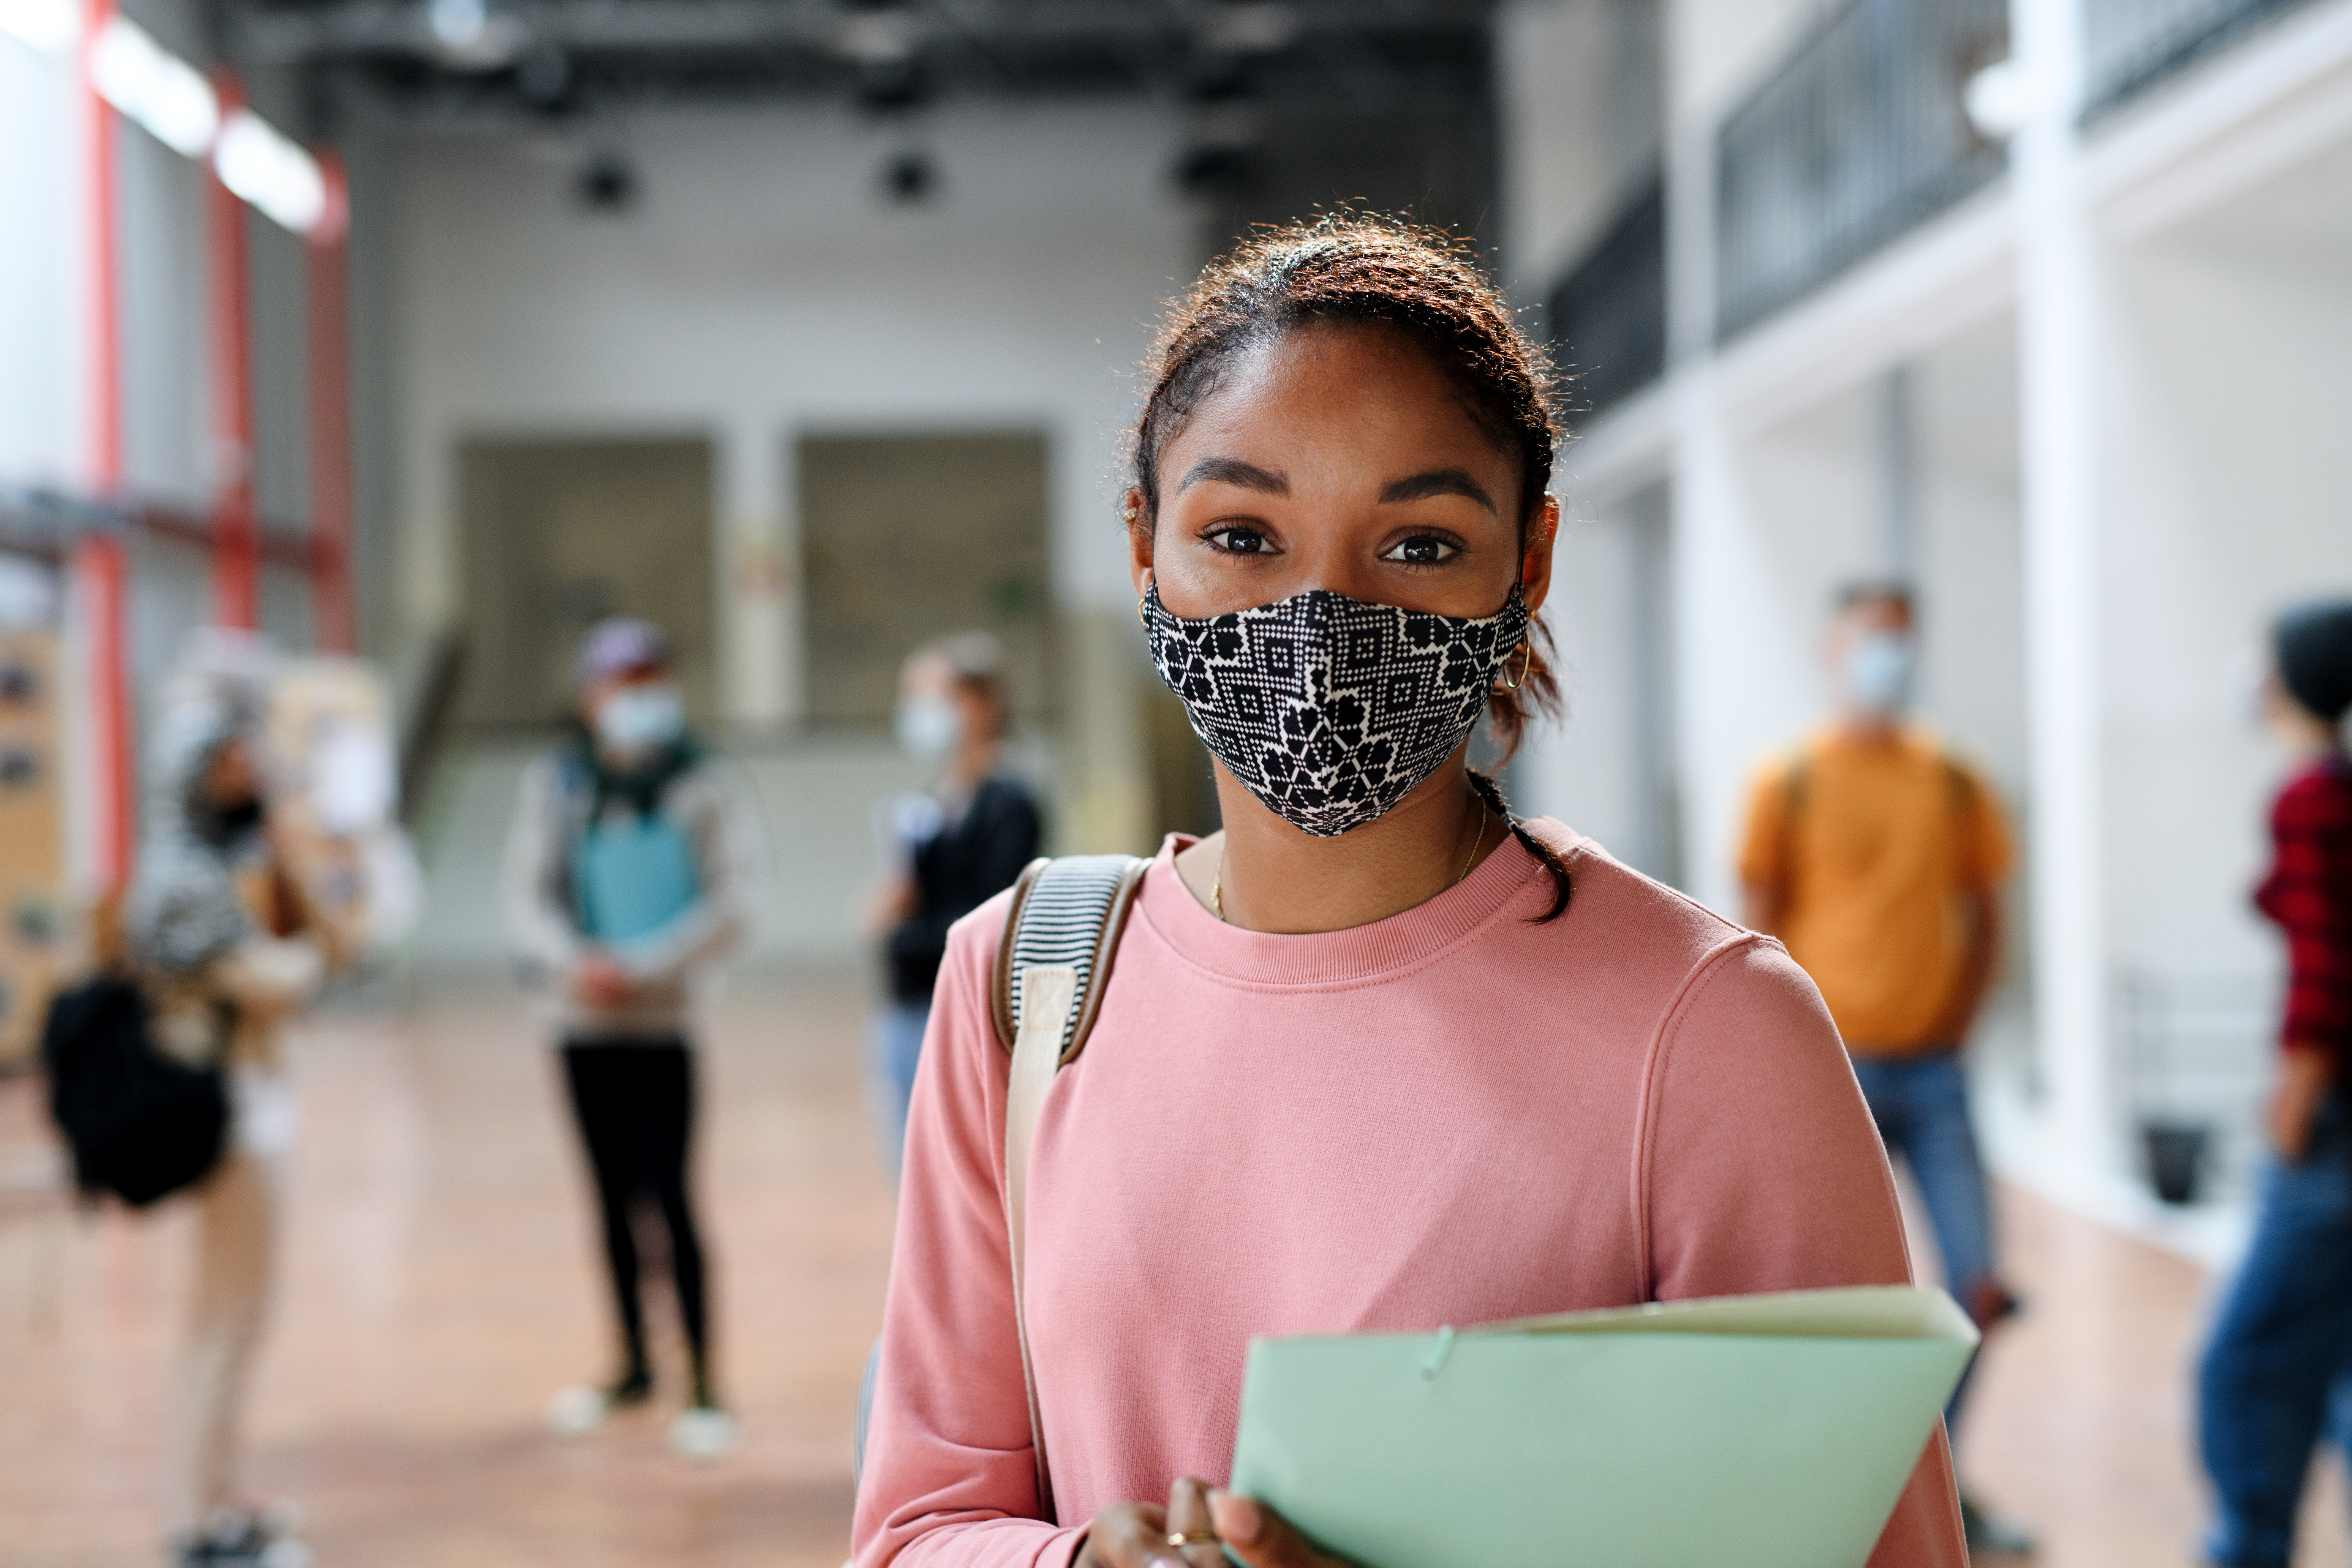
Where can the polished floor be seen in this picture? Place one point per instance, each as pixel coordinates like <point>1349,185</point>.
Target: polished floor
<point>440,1285</point>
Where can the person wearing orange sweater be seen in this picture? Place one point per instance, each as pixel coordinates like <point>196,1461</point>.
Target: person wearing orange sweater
<point>1877,856</point>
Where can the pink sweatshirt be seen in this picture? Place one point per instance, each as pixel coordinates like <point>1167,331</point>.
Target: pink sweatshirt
<point>1450,1116</point>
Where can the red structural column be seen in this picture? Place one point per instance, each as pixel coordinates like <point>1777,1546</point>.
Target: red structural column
<point>100,567</point>
<point>237,543</point>
<point>102,572</point>
<point>329,336</point>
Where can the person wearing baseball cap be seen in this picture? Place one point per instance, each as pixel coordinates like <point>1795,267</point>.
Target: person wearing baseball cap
<point>2284,1334</point>
<point>633,871</point>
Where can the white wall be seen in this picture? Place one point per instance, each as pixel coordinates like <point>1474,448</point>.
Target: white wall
<point>43,393</point>
<point>1580,83</point>
<point>1787,513</point>
<point>2228,356</point>
<point>1721,48</point>
<point>760,289</point>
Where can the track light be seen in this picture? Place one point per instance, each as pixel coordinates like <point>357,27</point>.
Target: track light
<point>909,178</point>
<point>608,185</point>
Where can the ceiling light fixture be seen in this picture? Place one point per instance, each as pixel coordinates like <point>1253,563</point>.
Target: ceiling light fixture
<point>259,163</point>
<point>882,37</point>
<point>45,27</point>
<point>471,35</point>
<point>1999,100</point>
<point>1250,27</point>
<point>154,88</point>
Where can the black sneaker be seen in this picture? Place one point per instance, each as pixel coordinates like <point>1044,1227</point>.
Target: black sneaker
<point>239,1537</point>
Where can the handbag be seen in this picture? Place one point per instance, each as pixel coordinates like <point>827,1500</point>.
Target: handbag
<point>140,1124</point>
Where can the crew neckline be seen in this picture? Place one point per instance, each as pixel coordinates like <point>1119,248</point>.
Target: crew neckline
<point>1359,953</point>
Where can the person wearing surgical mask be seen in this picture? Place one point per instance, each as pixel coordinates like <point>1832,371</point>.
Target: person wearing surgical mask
<point>946,850</point>
<point>632,873</point>
<point>1876,856</point>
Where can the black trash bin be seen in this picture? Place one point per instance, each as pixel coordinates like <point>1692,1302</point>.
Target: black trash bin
<point>2176,1157</point>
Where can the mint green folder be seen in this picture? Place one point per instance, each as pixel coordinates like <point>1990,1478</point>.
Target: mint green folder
<point>1745,1432</point>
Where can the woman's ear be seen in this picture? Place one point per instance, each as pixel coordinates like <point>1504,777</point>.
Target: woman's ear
<point>1535,563</point>
<point>1138,540</point>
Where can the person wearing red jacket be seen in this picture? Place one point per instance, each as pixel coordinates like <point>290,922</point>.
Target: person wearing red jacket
<point>2284,1334</point>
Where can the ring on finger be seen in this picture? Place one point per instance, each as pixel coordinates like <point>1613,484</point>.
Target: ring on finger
<point>1192,1537</point>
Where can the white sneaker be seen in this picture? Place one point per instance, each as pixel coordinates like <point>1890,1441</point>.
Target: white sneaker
<point>286,1552</point>
<point>578,1410</point>
<point>704,1432</point>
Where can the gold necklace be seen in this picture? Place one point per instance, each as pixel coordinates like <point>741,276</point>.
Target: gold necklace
<point>1217,882</point>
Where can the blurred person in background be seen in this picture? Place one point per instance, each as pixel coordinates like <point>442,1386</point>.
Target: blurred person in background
<point>950,849</point>
<point>632,871</point>
<point>219,935</point>
<point>2283,1331</point>
<point>1877,857</point>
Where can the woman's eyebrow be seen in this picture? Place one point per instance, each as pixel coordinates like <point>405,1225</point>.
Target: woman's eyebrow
<point>1437,482</point>
<point>1234,471</point>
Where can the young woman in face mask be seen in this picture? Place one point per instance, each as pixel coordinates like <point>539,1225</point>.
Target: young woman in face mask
<point>961,842</point>
<point>1377,1057</point>
<point>632,871</point>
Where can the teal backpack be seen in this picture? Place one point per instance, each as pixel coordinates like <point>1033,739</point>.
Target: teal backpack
<point>632,875</point>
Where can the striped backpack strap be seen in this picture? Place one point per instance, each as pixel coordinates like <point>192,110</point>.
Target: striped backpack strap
<point>1065,913</point>
<point>1052,966</point>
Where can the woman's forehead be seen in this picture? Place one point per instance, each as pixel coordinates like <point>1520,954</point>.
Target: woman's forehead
<point>1364,385</point>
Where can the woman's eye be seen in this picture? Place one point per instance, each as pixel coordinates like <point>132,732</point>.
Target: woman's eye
<point>1423,550</point>
<point>1240,542</point>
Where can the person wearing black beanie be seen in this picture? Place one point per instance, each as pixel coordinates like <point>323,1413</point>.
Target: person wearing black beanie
<point>2284,1334</point>
<point>2312,650</point>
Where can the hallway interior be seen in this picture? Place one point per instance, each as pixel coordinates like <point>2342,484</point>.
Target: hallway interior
<point>440,1284</point>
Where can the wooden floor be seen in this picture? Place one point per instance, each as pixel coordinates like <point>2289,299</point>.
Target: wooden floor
<point>440,1284</point>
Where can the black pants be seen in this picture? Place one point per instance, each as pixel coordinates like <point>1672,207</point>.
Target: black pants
<point>634,1103</point>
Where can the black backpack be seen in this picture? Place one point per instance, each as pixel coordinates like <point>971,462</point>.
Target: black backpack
<point>141,1125</point>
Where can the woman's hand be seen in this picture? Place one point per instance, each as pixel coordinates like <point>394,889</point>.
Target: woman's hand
<point>888,904</point>
<point>2306,1077</point>
<point>600,982</point>
<point>1137,1534</point>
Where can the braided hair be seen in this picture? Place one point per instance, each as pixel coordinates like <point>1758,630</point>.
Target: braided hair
<point>1343,270</point>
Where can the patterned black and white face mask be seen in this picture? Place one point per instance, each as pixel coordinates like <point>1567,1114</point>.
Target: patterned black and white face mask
<point>1328,709</point>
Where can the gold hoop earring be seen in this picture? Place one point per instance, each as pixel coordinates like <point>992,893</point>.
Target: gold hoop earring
<point>1527,663</point>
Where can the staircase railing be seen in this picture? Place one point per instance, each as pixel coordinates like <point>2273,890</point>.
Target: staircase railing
<point>2132,45</point>
<point>1608,315</point>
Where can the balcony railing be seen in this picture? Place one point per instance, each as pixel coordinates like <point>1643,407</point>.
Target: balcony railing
<point>1860,136</point>
<point>2131,45</point>
<point>1608,316</point>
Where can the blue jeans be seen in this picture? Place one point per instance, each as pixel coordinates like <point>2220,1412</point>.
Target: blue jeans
<point>2282,1337</point>
<point>894,1045</point>
<point>1921,1105</point>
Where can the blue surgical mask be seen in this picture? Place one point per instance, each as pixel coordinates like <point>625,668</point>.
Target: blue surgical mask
<point>638,719</point>
<point>929,727</point>
<point>1878,670</point>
